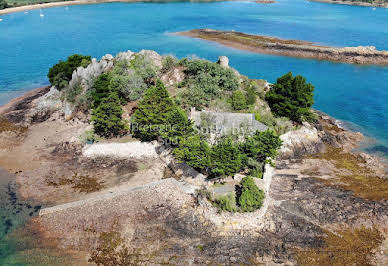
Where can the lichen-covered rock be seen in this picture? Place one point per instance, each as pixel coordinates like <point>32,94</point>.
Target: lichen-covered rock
<point>303,141</point>
<point>153,56</point>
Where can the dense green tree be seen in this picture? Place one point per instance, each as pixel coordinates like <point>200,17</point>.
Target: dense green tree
<point>195,151</point>
<point>101,88</point>
<point>261,146</point>
<point>60,74</point>
<point>158,116</point>
<point>226,158</point>
<point>107,117</point>
<point>249,196</point>
<point>291,97</point>
<point>239,101</point>
<point>3,4</point>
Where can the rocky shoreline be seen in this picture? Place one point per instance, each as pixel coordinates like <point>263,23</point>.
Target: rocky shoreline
<point>162,220</point>
<point>354,3</point>
<point>293,48</point>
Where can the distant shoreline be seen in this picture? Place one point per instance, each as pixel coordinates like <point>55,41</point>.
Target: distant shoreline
<point>292,48</point>
<point>350,3</point>
<point>83,2</point>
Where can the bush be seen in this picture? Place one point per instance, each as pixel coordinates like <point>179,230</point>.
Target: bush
<point>144,67</point>
<point>291,97</point>
<point>251,95</point>
<point>60,74</point>
<point>128,82</point>
<point>226,158</point>
<point>226,203</point>
<point>238,100</point>
<point>249,196</point>
<point>107,117</point>
<point>168,63</point>
<point>205,81</point>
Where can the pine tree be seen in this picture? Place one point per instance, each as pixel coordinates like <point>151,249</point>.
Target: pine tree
<point>226,158</point>
<point>158,116</point>
<point>291,97</point>
<point>107,117</point>
<point>101,89</point>
<point>250,197</point>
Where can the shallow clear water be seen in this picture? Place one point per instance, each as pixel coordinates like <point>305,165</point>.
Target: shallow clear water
<point>30,44</point>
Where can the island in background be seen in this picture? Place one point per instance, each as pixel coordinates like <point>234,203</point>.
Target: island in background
<point>375,3</point>
<point>294,48</point>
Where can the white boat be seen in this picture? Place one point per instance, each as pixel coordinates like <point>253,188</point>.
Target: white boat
<point>1,19</point>
<point>41,14</point>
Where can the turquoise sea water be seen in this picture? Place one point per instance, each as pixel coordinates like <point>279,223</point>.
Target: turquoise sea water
<point>30,44</point>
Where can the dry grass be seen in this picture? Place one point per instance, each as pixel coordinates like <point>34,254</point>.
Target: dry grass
<point>357,177</point>
<point>345,247</point>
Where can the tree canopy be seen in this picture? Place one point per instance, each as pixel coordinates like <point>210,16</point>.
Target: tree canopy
<point>291,97</point>
<point>60,74</point>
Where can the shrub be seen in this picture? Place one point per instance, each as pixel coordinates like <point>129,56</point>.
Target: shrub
<point>195,152</point>
<point>238,100</point>
<point>107,117</point>
<point>60,74</point>
<point>251,95</point>
<point>144,67</point>
<point>128,82</point>
<point>168,63</point>
<point>291,97</point>
<point>226,158</point>
<point>205,81</point>
<point>249,196</point>
<point>226,203</point>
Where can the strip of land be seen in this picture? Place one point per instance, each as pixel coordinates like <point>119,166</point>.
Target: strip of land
<point>80,2</point>
<point>294,48</point>
<point>382,3</point>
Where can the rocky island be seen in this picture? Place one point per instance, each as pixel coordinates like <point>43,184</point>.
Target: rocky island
<point>373,3</point>
<point>294,48</point>
<point>287,188</point>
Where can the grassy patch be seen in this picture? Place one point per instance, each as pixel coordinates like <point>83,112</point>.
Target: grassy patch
<point>345,247</point>
<point>361,180</point>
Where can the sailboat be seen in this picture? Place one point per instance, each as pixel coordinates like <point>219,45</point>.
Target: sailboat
<point>41,14</point>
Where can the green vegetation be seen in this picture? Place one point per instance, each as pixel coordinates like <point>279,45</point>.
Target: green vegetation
<point>226,203</point>
<point>204,82</point>
<point>239,102</point>
<point>158,116</point>
<point>60,74</point>
<point>291,97</point>
<point>3,4</point>
<point>228,156</point>
<point>107,117</point>
<point>249,196</point>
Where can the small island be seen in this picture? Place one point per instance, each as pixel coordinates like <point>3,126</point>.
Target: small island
<point>140,159</point>
<point>375,3</point>
<point>294,48</point>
